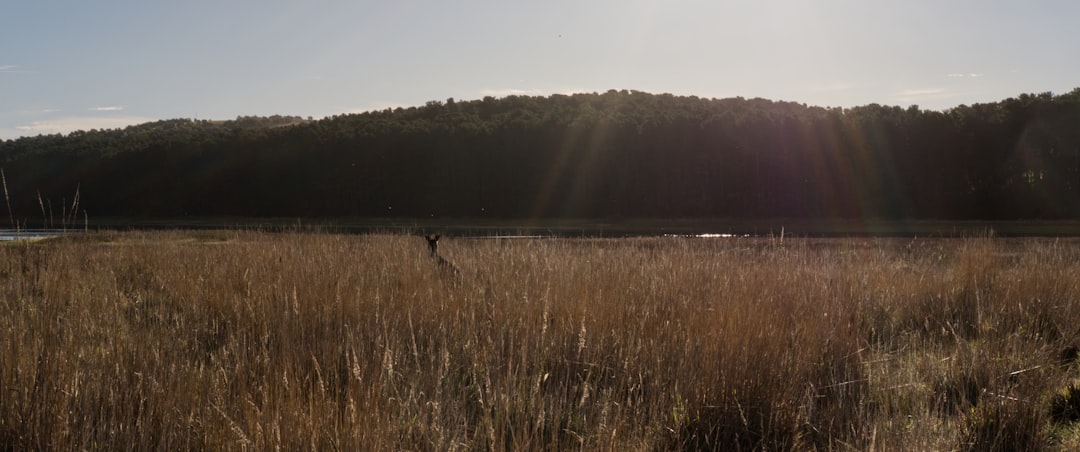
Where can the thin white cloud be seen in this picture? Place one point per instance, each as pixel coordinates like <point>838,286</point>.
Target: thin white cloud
<point>71,124</point>
<point>569,91</point>
<point>920,92</point>
<point>43,111</point>
<point>11,69</point>
<point>923,94</point>
<point>510,92</point>
<point>963,75</point>
<point>113,108</point>
<point>377,106</point>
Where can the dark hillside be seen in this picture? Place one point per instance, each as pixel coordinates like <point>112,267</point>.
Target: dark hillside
<point>620,154</point>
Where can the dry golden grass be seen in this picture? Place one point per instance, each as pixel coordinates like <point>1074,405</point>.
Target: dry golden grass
<point>247,340</point>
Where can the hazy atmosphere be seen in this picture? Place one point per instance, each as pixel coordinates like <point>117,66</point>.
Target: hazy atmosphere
<point>76,65</point>
<point>598,225</point>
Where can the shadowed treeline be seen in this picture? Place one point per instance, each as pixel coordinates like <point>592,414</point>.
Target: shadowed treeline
<point>620,154</point>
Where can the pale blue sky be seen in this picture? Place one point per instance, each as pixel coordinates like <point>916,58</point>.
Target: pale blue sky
<point>67,65</point>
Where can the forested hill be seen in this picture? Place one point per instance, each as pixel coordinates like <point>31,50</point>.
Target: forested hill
<point>620,154</point>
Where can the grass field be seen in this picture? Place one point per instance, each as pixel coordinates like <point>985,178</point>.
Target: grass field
<point>248,340</point>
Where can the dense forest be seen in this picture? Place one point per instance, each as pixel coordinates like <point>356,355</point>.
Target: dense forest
<point>620,154</point>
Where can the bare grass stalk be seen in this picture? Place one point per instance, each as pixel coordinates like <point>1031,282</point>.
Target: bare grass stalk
<point>231,340</point>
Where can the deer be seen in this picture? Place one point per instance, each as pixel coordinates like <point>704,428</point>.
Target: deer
<point>433,243</point>
<point>433,247</point>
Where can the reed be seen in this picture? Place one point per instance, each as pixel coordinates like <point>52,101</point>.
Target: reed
<point>232,340</point>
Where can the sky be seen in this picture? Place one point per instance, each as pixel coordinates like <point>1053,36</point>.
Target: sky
<point>71,65</point>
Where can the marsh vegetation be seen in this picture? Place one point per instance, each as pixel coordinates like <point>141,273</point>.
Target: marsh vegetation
<point>231,340</point>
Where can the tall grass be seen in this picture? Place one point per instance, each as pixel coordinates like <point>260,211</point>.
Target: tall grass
<point>246,340</point>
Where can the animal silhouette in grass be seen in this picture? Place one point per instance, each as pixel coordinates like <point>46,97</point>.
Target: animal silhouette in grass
<point>433,247</point>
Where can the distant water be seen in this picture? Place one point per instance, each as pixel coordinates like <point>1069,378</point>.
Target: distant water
<point>26,234</point>
<point>710,236</point>
<point>551,236</point>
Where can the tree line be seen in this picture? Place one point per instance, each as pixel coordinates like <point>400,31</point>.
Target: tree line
<point>618,154</point>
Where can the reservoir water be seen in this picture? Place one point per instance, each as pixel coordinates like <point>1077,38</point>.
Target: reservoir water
<point>29,234</point>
